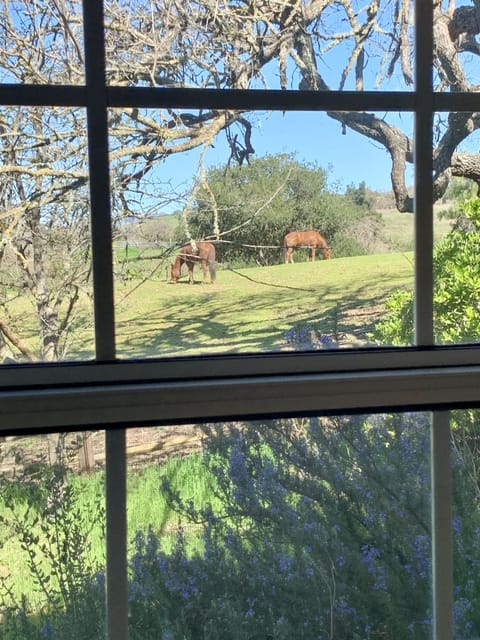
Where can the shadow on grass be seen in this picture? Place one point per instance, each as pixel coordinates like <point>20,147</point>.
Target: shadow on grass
<point>203,319</point>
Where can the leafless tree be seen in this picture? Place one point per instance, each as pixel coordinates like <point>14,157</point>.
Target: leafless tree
<point>310,45</point>
<point>287,44</point>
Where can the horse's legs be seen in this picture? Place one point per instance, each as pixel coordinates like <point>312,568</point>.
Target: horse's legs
<point>312,254</point>
<point>289,255</point>
<point>190,274</point>
<point>204,269</point>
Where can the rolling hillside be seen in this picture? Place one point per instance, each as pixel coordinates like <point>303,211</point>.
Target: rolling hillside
<point>253,309</point>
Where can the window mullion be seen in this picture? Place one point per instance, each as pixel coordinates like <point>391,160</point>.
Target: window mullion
<point>116,508</point>
<point>442,547</point>
<point>115,495</point>
<point>99,180</point>
<point>424,335</point>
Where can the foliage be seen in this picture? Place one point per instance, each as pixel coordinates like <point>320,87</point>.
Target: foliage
<point>396,327</point>
<point>253,206</point>
<point>324,532</point>
<point>456,286</point>
<point>314,528</point>
<point>348,245</point>
<point>459,190</point>
<point>53,530</point>
<point>359,194</point>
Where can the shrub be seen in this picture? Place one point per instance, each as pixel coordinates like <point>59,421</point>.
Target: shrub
<point>324,532</point>
<point>52,524</point>
<point>456,286</point>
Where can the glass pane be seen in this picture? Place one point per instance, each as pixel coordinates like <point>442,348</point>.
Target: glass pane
<point>299,528</point>
<point>271,45</point>
<point>45,249</point>
<point>457,230</point>
<point>304,175</point>
<point>466,521</point>
<point>41,42</point>
<point>52,536</point>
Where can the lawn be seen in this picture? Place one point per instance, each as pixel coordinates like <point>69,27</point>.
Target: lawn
<point>251,309</point>
<point>246,310</point>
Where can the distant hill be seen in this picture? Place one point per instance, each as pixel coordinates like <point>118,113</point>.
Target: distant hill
<point>150,233</point>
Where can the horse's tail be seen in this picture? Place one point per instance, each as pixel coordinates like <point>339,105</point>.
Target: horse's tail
<point>285,249</point>
<point>212,264</point>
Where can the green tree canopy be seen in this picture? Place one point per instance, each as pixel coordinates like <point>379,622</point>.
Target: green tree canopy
<point>252,207</point>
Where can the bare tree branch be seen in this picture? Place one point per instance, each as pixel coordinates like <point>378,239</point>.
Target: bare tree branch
<point>289,44</point>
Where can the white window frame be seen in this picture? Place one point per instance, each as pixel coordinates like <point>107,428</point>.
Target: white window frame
<point>113,395</point>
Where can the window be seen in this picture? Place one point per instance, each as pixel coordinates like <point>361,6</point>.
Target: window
<point>106,392</point>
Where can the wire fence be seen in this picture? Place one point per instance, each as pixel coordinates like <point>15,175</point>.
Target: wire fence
<point>172,249</point>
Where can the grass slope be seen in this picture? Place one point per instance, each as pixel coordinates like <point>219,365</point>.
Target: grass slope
<point>250,309</point>
<point>246,310</point>
<point>399,231</point>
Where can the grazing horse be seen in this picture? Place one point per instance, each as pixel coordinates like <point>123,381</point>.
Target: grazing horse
<point>311,239</point>
<point>191,254</point>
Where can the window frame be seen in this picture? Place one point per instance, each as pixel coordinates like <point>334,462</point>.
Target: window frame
<point>113,395</point>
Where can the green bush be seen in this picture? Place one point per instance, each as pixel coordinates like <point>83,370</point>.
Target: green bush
<point>253,206</point>
<point>456,287</point>
<point>53,526</point>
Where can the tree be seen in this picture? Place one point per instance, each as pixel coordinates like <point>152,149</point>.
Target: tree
<point>45,222</point>
<point>359,194</point>
<point>238,44</point>
<point>250,208</point>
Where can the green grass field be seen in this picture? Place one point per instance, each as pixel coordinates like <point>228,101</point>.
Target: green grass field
<point>146,508</point>
<point>245,310</point>
<point>250,309</point>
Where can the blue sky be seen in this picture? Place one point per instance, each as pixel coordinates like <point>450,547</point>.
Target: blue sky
<point>316,137</point>
<point>313,137</point>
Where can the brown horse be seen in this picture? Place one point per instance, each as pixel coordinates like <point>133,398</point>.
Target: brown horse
<point>191,254</point>
<point>311,239</point>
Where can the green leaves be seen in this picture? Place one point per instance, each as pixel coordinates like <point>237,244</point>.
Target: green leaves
<point>254,205</point>
<point>44,511</point>
<point>456,289</point>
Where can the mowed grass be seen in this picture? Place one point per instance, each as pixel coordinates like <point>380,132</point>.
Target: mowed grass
<point>251,309</point>
<point>246,310</point>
